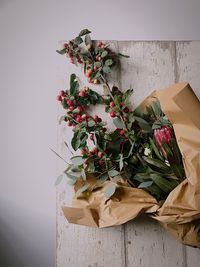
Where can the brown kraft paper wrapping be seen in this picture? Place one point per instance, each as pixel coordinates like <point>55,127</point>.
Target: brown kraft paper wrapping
<point>180,213</point>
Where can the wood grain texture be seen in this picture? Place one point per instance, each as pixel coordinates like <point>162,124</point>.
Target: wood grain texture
<point>142,242</point>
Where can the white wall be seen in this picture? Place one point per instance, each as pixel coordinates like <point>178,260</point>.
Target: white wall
<point>29,80</point>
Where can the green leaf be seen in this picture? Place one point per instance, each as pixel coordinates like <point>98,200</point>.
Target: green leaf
<point>78,40</point>
<point>97,64</point>
<point>113,173</point>
<point>74,86</point>
<point>156,108</point>
<point>83,174</point>
<point>88,40</point>
<point>106,69</point>
<point>158,164</point>
<point>104,53</point>
<point>81,190</point>
<point>155,149</point>
<point>164,184</point>
<point>84,32</point>
<point>145,184</point>
<point>103,177</point>
<point>118,123</point>
<point>75,142</point>
<point>61,52</point>
<point>121,163</point>
<point>91,123</point>
<point>109,62</point>
<point>77,160</point>
<point>59,179</point>
<point>110,190</point>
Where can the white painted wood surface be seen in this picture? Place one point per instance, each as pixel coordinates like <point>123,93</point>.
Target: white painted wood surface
<point>142,242</point>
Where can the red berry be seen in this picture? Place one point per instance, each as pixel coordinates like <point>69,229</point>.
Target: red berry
<point>95,150</point>
<point>88,73</point>
<point>62,93</point>
<point>78,119</point>
<point>95,68</point>
<point>59,98</point>
<point>101,162</point>
<point>100,154</point>
<point>122,132</point>
<point>126,110</point>
<point>100,44</point>
<point>66,119</point>
<point>90,153</point>
<point>71,108</point>
<point>84,116</point>
<point>104,130</point>
<point>81,94</point>
<point>83,152</point>
<point>69,102</point>
<point>92,137</point>
<point>99,120</point>
<point>96,118</point>
<point>69,123</point>
<point>112,104</point>
<point>113,114</point>
<point>65,45</point>
<point>125,118</point>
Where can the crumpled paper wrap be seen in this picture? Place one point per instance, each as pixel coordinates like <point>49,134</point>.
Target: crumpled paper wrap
<point>180,213</point>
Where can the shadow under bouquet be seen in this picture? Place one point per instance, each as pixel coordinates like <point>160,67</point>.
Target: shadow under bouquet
<point>148,164</point>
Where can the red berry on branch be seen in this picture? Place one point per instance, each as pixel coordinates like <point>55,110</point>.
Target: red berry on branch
<point>112,104</point>
<point>78,119</point>
<point>81,94</point>
<point>96,118</point>
<point>122,132</point>
<point>71,108</point>
<point>88,73</point>
<point>59,98</point>
<point>100,154</point>
<point>104,130</point>
<point>90,153</point>
<point>126,110</point>
<point>62,93</point>
<point>70,103</point>
<point>83,151</point>
<point>101,162</point>
<point>99,120</point>
<point>65,45</point>
<point>113,114</point>
<point>84,116</point>
<point>92,137</point>
<point>69,123</point>
<point>100,44</point>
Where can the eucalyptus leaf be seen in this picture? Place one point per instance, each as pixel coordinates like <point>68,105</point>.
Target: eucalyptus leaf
<point>113,173</point>
<point>81,190</point>
<point>110,190</point>
<point>84,32</point>
<point>118,123</point>
<point>145,184</point>
<point>77,160</point>
<point>59,179</point>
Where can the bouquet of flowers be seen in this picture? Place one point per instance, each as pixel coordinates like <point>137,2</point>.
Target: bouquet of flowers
<point>147,164</point>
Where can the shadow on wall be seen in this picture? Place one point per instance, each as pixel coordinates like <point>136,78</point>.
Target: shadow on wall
<point>17,248</point>
<point>8,244</point>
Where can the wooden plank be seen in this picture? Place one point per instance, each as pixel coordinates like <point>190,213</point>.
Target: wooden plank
<point>79,245</point>
<point>188,69</point>
<point>151,66</point>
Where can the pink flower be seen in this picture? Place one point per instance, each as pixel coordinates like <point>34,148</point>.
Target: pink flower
<point>163,135</point>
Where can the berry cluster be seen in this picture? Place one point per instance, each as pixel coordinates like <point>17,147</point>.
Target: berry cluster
<point>97,59</point>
